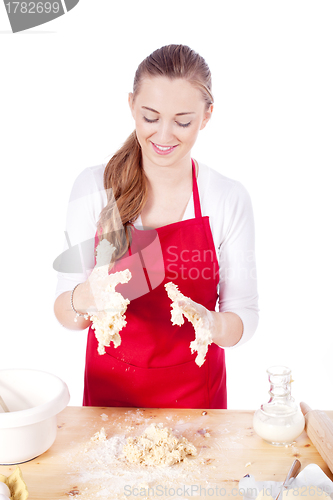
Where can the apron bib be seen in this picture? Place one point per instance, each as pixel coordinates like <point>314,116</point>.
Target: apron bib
<point>153,366</point>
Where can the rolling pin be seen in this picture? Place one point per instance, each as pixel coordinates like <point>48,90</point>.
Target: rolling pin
<point>319,428</point>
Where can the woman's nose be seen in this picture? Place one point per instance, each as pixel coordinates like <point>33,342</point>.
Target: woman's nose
<point>164,134</point>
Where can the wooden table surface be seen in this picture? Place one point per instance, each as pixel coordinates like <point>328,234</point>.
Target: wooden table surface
<point>228,449</point>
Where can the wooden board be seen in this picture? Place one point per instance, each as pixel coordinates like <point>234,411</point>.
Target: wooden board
<point>71,466</point>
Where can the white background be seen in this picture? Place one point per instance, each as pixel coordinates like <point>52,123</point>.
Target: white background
<point>64,89</point>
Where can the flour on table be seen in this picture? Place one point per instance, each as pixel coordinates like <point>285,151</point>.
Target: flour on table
<point>157,446</point>
<point>110,318</point>
<point>203,337</point>
<point>99,436</point>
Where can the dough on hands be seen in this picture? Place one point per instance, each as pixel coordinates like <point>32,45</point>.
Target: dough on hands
<point>110,317</point>
<point>157,446</point>
<point>104,252</point>
<point>203,336</point>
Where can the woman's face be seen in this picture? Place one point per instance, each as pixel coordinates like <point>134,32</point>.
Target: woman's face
<point>168,115</point>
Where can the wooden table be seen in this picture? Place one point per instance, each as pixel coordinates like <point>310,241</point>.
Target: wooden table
<point>227,448</point>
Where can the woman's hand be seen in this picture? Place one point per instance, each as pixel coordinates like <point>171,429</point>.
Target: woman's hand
<point>98,294</point>
<point>89,297</point>
<point>225,328</point>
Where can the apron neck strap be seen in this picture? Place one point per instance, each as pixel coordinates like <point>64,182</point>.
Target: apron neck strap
<point>196,199</point>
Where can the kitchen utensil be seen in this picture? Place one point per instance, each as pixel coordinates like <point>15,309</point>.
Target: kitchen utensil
<point>293,471</point>
<point>3,405</point>
<point>319,428</point>
<point>35,398</point>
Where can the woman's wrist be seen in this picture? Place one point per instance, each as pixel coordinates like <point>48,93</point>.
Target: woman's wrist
<point>228,328</point>
<point>81,298</point>
<point>72,301</point>
<point>77,312</point>
<point>65,314</point>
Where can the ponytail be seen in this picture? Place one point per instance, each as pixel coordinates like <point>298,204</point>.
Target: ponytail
<point>126,187</point>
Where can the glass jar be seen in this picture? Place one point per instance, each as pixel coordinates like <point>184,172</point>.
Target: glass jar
<point>280,421</point>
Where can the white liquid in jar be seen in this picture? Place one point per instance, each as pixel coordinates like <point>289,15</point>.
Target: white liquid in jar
<point>279,429</point>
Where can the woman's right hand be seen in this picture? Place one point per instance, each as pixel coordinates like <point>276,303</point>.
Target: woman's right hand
<point>88,296</point>
<point>92,295</point>
<point>87,299</point>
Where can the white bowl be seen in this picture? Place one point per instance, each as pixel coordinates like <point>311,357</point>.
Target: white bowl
<point>34,399</point>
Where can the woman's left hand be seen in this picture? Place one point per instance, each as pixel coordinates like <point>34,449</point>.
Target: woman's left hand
<point>198,312</point>
<point>225,328</point>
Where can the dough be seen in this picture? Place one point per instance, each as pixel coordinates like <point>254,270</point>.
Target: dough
<point>99,436</point>
<point>157,446</point>
<point>104,252</point>
<point>203,337</point>
<point>16,484</point>
<point>110,318</point>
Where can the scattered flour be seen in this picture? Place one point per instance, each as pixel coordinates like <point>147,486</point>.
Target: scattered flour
<point>102,471</point>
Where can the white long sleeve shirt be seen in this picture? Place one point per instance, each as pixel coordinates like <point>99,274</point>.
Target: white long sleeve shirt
<point>225,201</point>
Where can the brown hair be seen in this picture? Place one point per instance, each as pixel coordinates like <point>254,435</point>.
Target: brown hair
<point>124,178</point>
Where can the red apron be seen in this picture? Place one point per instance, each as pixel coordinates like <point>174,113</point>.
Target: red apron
<point>153,367</point>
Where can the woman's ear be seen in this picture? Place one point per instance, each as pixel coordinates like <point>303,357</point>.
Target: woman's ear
<point>130,101</point>
<point>207,116</point>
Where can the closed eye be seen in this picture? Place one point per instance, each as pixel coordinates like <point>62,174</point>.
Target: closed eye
<point>156,119</point>
<point>184,124</point>
<point>150,121</point>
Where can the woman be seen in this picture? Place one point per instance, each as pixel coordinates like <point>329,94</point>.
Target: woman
<point>204,225</point>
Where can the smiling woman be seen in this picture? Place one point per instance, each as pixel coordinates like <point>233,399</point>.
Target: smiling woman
<point>169,126</point>
<point>168,114</point>
<point>153,190</point>
<point>169,84</point>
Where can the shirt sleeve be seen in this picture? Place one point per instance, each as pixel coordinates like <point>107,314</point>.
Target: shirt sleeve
<point>236,253</point>
<point>87,199</point>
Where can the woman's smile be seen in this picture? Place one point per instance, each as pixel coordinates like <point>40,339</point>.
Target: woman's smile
<point>163,150</point>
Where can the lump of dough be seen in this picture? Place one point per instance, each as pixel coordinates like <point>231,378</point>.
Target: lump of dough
<point>16,485</point>
<point>110,318</point>
<point>99,436</point>
<point>203,337</point>
<point>157,446</point>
